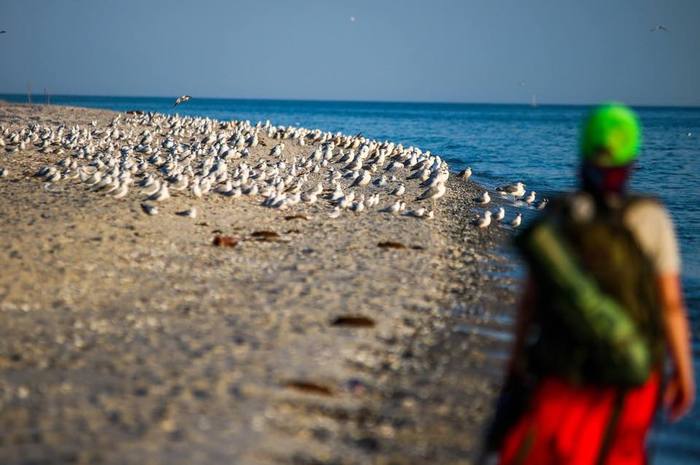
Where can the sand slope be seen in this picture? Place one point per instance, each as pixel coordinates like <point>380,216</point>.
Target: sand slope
<point>126,338</point>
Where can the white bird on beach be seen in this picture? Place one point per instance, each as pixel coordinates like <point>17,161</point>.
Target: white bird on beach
<point>373,200</point>
<point>181,99</point>
<point>162,194</point>
<point>180,183</point>
<point>500,214</point>
<point>189,213</point>
<point>122,191</point>
<point>485,198</point>
<point>530,198</point>
<point>149,209</point>
<point>433,193</point>
<point>335,213</point>
<point>196,189</point>
<point>417,213</point>
<point>380,182</point>
<point>516,190</point>
<point>154,187</point>
<point>465,174</point>
<point>362,180</point>
<point>393,208</point>
<point>338,193</point>
<point>399,191</point>
<point>486,220</point>
<point>517,220</point>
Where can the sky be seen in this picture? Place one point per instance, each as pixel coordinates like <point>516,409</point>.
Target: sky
<point>562,51</point>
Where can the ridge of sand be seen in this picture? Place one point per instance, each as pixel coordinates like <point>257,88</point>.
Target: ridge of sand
<point>126,338</point>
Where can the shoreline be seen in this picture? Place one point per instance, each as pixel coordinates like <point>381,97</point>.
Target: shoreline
<point>164,348</point>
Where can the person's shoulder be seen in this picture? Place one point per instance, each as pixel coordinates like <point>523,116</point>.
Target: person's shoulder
<point>644,205</point>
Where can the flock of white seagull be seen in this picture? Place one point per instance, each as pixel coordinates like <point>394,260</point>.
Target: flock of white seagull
<point>163,155</point>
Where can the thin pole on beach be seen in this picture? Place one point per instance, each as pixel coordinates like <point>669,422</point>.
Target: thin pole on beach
<point>29,92</point>
<point>47,97</point>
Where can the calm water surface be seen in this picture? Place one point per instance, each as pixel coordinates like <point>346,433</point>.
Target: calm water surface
<point>503,143</point>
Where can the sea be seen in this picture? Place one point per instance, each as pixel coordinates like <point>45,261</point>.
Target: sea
<point>502,143</point>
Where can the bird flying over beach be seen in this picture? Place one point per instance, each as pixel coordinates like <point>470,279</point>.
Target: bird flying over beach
<point>181,99</point>
<point>659,28</point>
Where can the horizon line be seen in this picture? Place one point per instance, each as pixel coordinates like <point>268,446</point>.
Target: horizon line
<point>412,102</point>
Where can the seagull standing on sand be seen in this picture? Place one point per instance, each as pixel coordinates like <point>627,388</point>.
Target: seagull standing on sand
<point>486,220</point>
<point>465,174</point>
<point>181,99</point>
<point>433,193</point>
<point>149,209</point>
<point>394,208</point>
<point>162,194</point>
<point>516,190</point>
<point>189,213</point>
<point>517,220</point>
<point>399,191</point>
<point>500,214</point>
<point>485,198</point>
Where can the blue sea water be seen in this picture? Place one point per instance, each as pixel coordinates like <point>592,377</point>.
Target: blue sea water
<point>502,143</point>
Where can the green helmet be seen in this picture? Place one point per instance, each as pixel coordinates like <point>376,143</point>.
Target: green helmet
<point>611,135</point>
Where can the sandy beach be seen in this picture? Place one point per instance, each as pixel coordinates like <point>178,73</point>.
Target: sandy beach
<point>129,338</point>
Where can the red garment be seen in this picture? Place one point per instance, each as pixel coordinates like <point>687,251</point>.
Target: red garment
<point>566,425</point>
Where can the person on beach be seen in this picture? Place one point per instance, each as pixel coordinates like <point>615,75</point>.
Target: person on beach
<point>601,308</point>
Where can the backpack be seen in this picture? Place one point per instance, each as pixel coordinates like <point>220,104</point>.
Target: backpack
<point>598,313</point>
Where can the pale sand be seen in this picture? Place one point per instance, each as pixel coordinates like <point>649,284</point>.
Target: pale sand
<point>126,338</point>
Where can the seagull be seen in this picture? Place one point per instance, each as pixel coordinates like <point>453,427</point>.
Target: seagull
<point>149,209</point>
<point>155,187</point>
<point>417,213</point>
<point>517,220</point>
<point>399,191</point>
<point>486,220</point>
<point>500,214</point>
<point>530,198</point>
<point>433,193</point>
<point>394,208</point>
<point>335,213</point>
<point>162,194</point>
<point>516,190</point>
<point>189,213</point>
<point>181,99</point>
<point>362,180</point>
<point>3,172</point>
<point>465,174</point>
<point>485,198</point>
<point>380,182</point>
<point>122,191</point>
<point>541,204</point>
<point>659,28</point>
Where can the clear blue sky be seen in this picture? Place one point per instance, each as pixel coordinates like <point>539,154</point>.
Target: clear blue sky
<point>565,51</point>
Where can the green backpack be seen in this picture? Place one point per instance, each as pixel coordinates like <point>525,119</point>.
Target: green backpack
<point>597,310</point>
